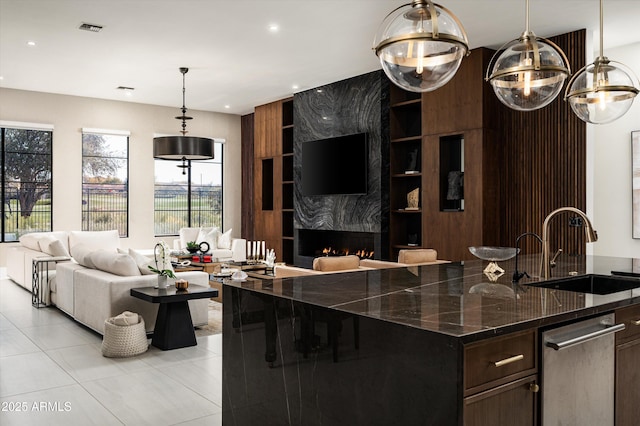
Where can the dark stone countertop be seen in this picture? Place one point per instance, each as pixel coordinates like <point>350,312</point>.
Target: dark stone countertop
<point>457,299</point>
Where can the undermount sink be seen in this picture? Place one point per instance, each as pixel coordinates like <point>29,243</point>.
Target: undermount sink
<point>594,284</point>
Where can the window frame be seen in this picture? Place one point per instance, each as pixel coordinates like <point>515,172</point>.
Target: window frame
<point>14,125</point>
<point>86,224</point>
<point>189,183</point>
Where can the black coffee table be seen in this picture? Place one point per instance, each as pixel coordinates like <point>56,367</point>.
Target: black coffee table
<point>174,327</point>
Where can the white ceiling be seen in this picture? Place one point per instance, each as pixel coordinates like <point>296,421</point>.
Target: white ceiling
<point>233,58</point>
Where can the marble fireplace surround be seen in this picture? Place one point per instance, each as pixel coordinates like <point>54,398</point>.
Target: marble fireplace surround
<point>356,105</point>
<point>311,242</point>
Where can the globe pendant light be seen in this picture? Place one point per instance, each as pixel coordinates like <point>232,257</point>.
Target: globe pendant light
<point>529,72</point>
<point>183,148</point>
<point>421,45</point>
<point>601,92</point>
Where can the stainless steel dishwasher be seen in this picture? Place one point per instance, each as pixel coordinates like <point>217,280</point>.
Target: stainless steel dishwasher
<point>578,372</point>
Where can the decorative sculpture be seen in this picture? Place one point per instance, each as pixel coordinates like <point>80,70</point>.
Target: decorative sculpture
<point>413,199</point>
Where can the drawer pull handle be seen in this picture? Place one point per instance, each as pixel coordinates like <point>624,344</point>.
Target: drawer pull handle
<point>506,361</point>
<point>637,322</point>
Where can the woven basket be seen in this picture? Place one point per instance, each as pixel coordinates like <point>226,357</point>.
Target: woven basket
<point>121,341</point>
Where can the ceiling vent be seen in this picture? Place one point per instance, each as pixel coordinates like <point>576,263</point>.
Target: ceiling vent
<point>125,88</point>
<point>90,27</point>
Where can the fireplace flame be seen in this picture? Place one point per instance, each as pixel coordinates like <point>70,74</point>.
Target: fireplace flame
<point>362,254</point>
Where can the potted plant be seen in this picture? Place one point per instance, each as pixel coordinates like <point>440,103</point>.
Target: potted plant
<point>163,264</point>
<point>192,246</point>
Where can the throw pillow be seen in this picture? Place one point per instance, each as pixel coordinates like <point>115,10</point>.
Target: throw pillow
<point>52,246</point>
<point>114,263</point>
<point>209,236</point>
<point>411,256</point>
<point>80,254</point>
<point>142,261</point>
<point>30,241</point>
<point>338,263</point>
<point>224,240</point>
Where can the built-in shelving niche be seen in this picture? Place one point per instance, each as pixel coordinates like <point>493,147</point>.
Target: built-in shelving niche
<point>267,184</point>
<point>287,182</point>
<point>452,173</point>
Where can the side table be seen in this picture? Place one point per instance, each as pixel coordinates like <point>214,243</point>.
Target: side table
<point>40,279</point>
<point>174,327</point>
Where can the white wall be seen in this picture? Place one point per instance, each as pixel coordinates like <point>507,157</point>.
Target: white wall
<point>612,172</point>
<point>69,114</point>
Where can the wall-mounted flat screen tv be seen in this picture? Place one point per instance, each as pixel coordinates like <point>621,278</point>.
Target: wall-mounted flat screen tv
<point>336,165</point>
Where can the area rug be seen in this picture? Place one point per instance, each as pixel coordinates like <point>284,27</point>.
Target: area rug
<point>214,325</point>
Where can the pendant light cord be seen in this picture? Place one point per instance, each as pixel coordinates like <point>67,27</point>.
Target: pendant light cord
<point>184,117</point>
<point>526,19</point>
<point>601,29</point>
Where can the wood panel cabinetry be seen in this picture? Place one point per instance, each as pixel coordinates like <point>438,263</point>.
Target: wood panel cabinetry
<point>500,381</point>
<point>450,129</point>
<point>627,394</point>
<point>273,177</point>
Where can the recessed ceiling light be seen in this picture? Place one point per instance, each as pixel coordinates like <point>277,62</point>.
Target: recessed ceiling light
<point>227,106</point>
<point>274,28</point>
<point>31,43</point>
<point>295,87</point>
<point>1,77</point>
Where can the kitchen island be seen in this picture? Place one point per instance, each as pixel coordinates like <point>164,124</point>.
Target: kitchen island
<point>399,346</point>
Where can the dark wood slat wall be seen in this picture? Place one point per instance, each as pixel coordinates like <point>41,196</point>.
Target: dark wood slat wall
<point>246,129</point>
<point>543,161</point>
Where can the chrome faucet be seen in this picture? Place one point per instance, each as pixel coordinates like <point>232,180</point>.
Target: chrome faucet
<point>592,236</point>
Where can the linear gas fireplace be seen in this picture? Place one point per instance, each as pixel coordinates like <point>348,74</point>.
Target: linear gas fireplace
<point>315,243</point>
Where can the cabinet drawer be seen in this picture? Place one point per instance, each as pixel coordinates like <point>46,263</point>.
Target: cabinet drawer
<point>630,316</point>
<point>499,360</point>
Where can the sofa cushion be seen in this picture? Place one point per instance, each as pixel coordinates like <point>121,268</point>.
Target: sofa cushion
<point>81,254</point>
<point>114,263</point>
<point>52,246</point>
<point>94,240</point>
<point>142,261</point>
<point>336,263</point>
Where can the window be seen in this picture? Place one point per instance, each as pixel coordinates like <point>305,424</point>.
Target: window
<point>26,181</point>
<point>188,197</point>
<point>105,177</point>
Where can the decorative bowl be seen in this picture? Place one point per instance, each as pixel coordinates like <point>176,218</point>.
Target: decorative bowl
<point>182,284</point>
<point>494,254</point>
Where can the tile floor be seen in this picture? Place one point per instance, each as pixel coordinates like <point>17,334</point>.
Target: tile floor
<point>52,372</point>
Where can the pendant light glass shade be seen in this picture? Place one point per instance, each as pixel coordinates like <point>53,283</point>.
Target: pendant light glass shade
<point>421,46</point>
<point>529,71</point>
<point>602,91</point>
<point>183,148</point>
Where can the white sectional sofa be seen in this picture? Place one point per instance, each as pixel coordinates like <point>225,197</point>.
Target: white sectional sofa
<point>95,284</point>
